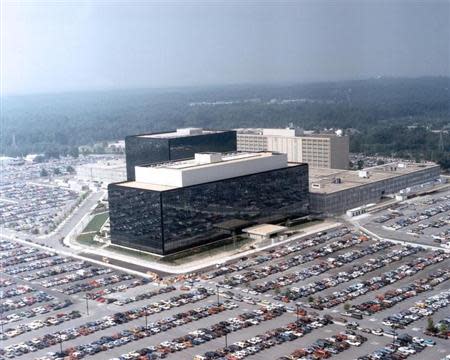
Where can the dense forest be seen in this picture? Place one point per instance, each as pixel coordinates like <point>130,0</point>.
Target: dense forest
<point>387,116</point>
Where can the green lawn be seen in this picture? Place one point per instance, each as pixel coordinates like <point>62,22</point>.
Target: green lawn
<point>87,236</point>
<point>88,239</point>
<point>97,222</point>
<point>136,253</point>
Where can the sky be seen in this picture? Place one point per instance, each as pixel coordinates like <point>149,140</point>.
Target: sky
<point>65,45</point>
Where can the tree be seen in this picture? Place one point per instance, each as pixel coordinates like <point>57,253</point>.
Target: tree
<point>347,306</point>
<point>74,152</point>
<point>430,325</point>
<point>379,117</point>
<point>311,299</point>
<point>43,173</point>
<point>70,169</point>
<point>98,149</point>
<point>360,164</point>
<point>444,160</point>
<point>380,162</point>
<point>39,159</point>
<point>53,153</point>
<point>56,171</point>
<point>443,328</point>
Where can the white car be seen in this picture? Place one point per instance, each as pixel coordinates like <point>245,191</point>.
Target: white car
<point>353,342</point>
<point>378,332</point>
<point>406,350</point>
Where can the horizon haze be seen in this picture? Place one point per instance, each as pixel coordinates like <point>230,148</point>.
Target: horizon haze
<point>49,47</point>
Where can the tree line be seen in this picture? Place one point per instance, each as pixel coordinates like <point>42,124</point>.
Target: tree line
<point>385,116</point>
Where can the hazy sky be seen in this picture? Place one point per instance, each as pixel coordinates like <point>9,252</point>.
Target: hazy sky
<point>62,45</point>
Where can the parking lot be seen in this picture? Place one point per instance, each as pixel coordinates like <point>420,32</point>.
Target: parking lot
<point>424,220</point>
<point>297,301</point>
<point>37,197</point>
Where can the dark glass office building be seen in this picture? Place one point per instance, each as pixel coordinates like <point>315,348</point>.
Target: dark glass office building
<point>174,145</point>
<point>167,221</point>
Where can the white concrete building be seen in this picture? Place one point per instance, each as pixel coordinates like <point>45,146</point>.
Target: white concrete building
<point>6,161</point>
<point>264,231</point>
<point>104,172</point>
<point>317,150</point>
<point>208,167</point>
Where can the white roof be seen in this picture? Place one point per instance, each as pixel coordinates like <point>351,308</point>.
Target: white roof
<point>208,167</point>
<point>264,229</point>
<point>180,133</point>
<point>197,162</point>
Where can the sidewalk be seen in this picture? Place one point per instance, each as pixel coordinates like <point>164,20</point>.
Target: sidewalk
<point>201,263</point>
<point>401,242</point>
<point>93,195</point>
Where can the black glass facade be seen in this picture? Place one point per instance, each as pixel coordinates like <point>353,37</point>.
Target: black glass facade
<point>173,220</point>
<point>135,217</point>
<point>141,150</point>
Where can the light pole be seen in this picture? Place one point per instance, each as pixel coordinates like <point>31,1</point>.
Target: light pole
<point>1,321</point>
<point>226,339</point>
<point>217,290</point>
<point>296,305</point>
<point>395,334</point>
<point>87,304</point>
<point>60,343</point>
<point>146,323</point>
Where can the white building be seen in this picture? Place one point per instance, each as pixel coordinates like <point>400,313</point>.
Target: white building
<point>208,167</point>
<point>117,146</point>
<point>264,231</point>
<point>104,172</point>
<point>6,161</point>
<point>318,150</point>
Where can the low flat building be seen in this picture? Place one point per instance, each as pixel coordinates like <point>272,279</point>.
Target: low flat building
<point>175,205</point>
<point>328,150</point>
<point>264,231</point>
<point>333,192</point>
<point>104,171</point>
